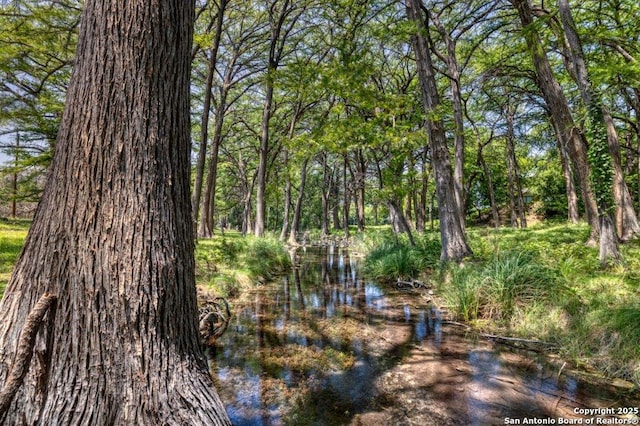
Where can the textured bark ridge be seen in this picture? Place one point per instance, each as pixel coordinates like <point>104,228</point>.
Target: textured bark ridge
<point>452,230</point>
<point>112,237</point>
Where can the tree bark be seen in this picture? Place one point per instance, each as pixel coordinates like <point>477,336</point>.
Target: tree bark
<point>557,104</point>
<point>297,212</point>
<point>421,211</point>
<point>207,226</point>
<point>518,214</point>
<point>495,215</point>
<point>206,111</point>
<point>278,34</point>
<point>112,237</point>
<point>287,197</point>
<point>399,221</point>
<point>456,101</point>
<point>359,183</point>
<point>573,213</point>
<point>346,196</point>
<point>327,189</point>
<point>453,237</point>
<point>627,222</point>
<point>600,129</point>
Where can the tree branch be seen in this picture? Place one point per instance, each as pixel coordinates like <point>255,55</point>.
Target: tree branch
<point>25,351</point>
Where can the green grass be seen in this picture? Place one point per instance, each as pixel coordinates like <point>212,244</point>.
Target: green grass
<point>225,263</point>
<point>544,283</point>
<point>390,258</point>
<point>541,283</point>
<point>12,236</point>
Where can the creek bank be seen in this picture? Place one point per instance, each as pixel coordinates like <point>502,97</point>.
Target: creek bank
<point>324,346</point>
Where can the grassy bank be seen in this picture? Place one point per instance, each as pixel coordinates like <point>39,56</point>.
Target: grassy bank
<point>228,262</point>
<point>539,283</point>
<point>223,263</point>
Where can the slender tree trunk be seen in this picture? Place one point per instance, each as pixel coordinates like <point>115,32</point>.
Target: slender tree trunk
<point>399,221</point>
<point>207,225</point>
<point>278,34</point>
<point>492,192</point>
<point>456,100</point>
<point>557,104</point>
<point>263,157</point>
<point>347,196</point>
<point>335,209</point>
<point>421,212</point>
<point>297,212</point>
<point>287,186</point>
<point>327,189</point>
<point>287,197</point>
<point>361,170</point>
<point>573,214</point>
<point>518,214</point>
<point>206,110</point>
<point>601,133</point>
<point>453,237</point>
<point>112,238</point>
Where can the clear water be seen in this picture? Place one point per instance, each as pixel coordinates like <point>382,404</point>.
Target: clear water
<point>298,352</point>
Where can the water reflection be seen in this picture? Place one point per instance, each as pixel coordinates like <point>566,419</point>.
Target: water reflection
<point>299,351</point>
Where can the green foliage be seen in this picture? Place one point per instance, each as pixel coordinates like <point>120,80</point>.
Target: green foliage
<point>266,257</point>
<point>230,261</point>
<point>508,281</point>
<point>601,176</point>
<point>393,260</point>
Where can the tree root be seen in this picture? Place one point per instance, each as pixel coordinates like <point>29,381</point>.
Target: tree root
<point>214,320</point>
<point>24,351</point>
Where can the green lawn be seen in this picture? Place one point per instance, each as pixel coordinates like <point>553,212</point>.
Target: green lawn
<point>12,236</point>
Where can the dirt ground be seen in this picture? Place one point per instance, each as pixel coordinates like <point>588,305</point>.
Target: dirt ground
<point>446,378</point>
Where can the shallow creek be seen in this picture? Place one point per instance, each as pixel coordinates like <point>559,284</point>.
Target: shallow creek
<point>322,346</point>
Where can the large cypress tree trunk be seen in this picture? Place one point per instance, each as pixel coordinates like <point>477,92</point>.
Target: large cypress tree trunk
<point>452,233</point>
<point>112,238</point>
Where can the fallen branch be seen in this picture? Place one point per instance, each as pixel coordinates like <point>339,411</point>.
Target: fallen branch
<point>24,351</point>
<point>504,339</point>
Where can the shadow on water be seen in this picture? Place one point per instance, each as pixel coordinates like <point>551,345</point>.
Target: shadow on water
<point>323,346</point>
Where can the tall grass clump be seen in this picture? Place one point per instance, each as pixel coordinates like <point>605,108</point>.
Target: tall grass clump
<point>266,257</point>
<point>507,283</point>
<point>391,260</point>
<point>516,278</point>
<point>463,292</point>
